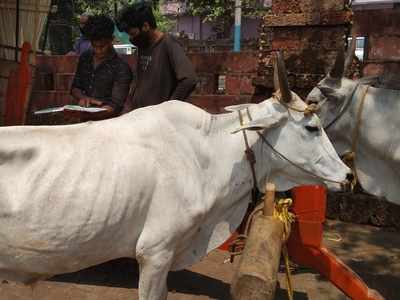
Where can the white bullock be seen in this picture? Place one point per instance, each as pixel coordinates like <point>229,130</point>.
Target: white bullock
<point>363,118</point>
<point>164,184</point>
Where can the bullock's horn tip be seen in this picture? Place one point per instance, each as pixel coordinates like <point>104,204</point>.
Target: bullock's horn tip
<point>283,80</point>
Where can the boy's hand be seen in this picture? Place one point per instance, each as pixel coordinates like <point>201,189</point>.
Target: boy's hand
<point>86,102</point>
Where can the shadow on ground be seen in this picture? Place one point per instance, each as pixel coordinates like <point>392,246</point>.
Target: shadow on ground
<point>124,273</point>
<point>373,253</point>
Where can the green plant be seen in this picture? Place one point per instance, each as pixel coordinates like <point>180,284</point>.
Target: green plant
<point>109,7</point>
<point>222,12</point>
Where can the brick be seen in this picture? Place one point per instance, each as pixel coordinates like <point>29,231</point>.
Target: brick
<point>58,63</point>
<point>232,85</point>
<point>286,44</point>
<point>246,85</point>
<point>207,84</point>
<point>286,6</point>
<point>384,47</point>
<point>386,22</point>
<point>66,64</point>
<point>373,69</point>
<point>46,63</point>
<point>63,81</point>
<point>321,38</point>
<point>42,99</point>
<point>305,6</point>
<point>64,97</point>
<point>43,80</point>
<point>224,62</point>
<point>241,62</point>
<point>206,62</point>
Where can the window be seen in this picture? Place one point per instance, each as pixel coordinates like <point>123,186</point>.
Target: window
<point>361,47</point>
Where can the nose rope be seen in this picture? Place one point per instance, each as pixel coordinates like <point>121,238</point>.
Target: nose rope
<point>279,154</point>
<point>350,157</point>
<point>293,163</point>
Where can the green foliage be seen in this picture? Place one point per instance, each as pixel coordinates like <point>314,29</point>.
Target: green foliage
<point>95,7</point>
<point>222,12</point>
<point>212,10</point>
<point>163,23</point>
<point>107,7</point>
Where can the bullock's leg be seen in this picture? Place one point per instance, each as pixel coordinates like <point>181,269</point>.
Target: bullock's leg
<point>153,277</point>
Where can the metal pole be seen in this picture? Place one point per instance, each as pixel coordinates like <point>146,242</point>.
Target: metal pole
<point>17,31</point>
<point>238,21</point>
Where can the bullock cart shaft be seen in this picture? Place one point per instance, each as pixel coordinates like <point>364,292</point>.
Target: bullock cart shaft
<point>256,276</point>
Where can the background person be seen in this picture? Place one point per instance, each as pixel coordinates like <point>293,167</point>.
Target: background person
<point>102,78</point>
<point>164,72</point>
<point>82,43</point>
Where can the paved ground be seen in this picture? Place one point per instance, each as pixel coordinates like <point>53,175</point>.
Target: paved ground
<point>372,252</point>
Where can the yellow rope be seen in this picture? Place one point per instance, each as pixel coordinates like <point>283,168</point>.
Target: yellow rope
<point>350,157</point>
<point>281,213</point>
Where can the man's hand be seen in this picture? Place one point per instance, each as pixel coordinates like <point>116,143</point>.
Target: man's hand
<point>110,109</point>
<point>87,101</point>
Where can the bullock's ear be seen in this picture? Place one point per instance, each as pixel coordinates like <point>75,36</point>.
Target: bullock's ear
<point>263,123</point>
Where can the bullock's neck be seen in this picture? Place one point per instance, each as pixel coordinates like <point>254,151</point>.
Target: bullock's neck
<point>341,132</point>
<point>230,160</point>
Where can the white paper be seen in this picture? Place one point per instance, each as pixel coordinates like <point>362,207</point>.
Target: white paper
<point>69,107</point>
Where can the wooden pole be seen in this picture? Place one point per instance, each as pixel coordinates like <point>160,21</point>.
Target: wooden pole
<point>269,200</point>
<point>256,276</point>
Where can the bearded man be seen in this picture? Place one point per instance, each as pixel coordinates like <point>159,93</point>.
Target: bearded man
<point>164,72</point>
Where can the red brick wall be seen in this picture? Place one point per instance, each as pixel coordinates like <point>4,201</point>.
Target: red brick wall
<point>309,33</point>
<point>239,70</point>
<point>381,27</point>
<point>54,75</point>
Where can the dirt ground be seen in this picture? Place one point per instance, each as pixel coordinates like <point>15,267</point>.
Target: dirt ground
<point>372,252</point>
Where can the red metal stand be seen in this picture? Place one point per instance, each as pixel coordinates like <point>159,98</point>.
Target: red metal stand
<point>305,244</point>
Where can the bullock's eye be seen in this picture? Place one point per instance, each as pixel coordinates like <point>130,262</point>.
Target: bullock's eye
<point>312,128</point>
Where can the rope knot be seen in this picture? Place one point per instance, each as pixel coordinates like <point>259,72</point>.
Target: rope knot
<point>311,109</point>
<point>348,157</point>
<point>281,213</point>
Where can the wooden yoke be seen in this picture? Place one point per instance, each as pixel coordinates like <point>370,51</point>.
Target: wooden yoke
<point>256,275</point>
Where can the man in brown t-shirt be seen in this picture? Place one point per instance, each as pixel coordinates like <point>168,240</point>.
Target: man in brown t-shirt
<point>164,72</point>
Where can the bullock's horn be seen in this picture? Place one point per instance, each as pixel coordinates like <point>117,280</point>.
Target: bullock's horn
<point>350,53</point>
<point>282,79</point>
<point>338,68</point>
<point>276,78</point>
